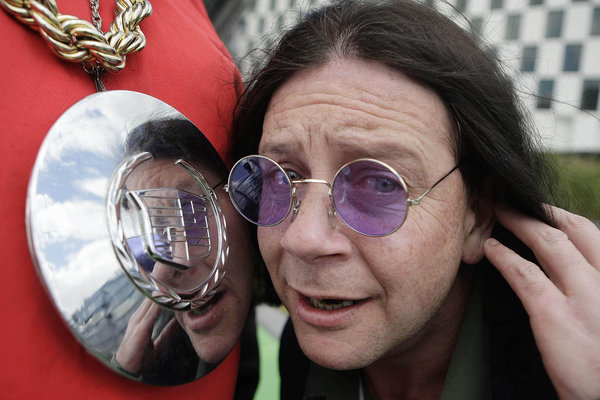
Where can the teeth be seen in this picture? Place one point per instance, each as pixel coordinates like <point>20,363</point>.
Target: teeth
<point>330,304</point>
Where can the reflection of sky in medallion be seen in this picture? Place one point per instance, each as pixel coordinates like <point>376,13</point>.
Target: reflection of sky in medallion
<point>68,192</point>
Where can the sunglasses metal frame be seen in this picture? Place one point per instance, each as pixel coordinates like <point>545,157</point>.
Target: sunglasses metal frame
<point>295,203</point>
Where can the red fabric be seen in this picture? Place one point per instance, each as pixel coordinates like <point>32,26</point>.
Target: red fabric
<point>184,65</point>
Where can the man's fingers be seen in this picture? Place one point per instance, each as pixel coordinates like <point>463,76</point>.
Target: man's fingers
<point>584,234</point>
<point>556,253</point>
<point>562,306</point>
<point>142,320</point>
<point>527,280</point>
<point>166,335</point>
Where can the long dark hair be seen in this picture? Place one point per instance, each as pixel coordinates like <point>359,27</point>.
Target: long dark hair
<point>496,147</point>
<point>494,143</point>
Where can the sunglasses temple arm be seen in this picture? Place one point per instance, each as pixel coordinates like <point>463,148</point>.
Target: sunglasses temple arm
<point>417,201</point>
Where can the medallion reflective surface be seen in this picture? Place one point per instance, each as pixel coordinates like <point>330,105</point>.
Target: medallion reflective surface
<point>139,248</point>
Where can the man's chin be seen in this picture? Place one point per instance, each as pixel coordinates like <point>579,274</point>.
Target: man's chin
<point>333,354</point>
<point>214,353</point>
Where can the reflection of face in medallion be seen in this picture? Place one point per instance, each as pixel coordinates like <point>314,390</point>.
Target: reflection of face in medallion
<point>214,328</point>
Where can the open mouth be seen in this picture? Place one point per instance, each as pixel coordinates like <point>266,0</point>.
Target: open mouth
<point>330,304</point>
<point>204,308</point>
<point>327,311</point>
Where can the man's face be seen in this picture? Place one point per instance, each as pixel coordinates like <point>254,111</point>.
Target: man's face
<point>400,291</point>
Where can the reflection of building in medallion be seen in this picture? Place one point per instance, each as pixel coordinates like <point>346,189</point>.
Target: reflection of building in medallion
<point>102,319</point>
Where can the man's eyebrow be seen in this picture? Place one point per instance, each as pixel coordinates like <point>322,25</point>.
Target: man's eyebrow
<point>387,151</point>
<point>383,151</point>
<point>278,148</point>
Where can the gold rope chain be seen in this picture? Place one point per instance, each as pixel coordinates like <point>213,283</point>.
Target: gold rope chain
<point>80,41</point>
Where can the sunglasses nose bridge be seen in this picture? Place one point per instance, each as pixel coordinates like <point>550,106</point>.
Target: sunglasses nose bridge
<point>298,202</point>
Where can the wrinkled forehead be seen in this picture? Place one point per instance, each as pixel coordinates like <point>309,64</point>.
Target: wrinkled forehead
<point>354,96</point>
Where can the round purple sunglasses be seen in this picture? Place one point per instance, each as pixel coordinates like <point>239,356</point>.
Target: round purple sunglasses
<point>367,194</point>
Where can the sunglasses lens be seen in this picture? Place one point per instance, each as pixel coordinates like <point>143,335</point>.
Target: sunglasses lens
<point>260,190</point>
<point>370,198</point>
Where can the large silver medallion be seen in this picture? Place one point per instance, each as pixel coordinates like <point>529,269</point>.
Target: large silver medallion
<point>117,245</point>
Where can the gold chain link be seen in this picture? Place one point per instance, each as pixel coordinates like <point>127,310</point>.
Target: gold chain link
<point>80,41</point>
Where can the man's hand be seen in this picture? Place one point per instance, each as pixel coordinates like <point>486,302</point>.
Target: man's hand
<point>563,300</point>
<point>137,352</point>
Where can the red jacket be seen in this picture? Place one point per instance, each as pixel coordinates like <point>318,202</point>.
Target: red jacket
<point>185,65</point>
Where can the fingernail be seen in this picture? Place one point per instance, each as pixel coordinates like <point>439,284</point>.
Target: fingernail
<point>492,242</point>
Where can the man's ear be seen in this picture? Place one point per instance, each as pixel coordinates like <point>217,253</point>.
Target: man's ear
<point>479,223</point>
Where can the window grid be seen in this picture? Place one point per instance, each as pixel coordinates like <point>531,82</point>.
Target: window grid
<point>545,92</point>
<point>595,30</point>
<point>572,57</point>
<point>528,58</point>
<point>590,94</point>
<point>513,25</point>
<point>461,5</point>
<point>555,22</point>
<point>477,27</point>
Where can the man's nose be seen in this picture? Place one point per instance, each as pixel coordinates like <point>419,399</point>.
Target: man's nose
<point>166,273</point>
<point>311,232</point>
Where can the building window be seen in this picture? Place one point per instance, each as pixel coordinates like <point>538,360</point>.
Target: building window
<point>590,94</point>
<point>596,22</point>
<point>555,22</point>
<point>546,88</point>
<point>261,25</point>
<point>477,27</point>
<point>572,57</point>
<point>492,52</point>
<point>513,25</point>
<point>497,4</point>
<point>461,5</point>
<point>528,58</point>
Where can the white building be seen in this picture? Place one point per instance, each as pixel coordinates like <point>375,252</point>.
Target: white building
<point>550,47</point>
<point>259,26</point>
